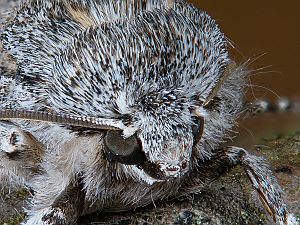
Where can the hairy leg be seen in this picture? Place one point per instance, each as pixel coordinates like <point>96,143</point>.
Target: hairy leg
<point>20,154</point>
<point>56,199</point>
<point>55,202</point>
<point>259,173</point>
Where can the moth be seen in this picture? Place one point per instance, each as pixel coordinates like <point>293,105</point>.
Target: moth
<point>109,105</point>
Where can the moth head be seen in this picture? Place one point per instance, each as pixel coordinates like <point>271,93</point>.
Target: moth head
<point>164,130</point>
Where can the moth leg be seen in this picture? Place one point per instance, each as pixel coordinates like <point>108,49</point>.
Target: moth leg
<point>259,173</point>
<point>55,202</point>
<point>20,154</point>
<point>69,204</point>
<point>264,182</point>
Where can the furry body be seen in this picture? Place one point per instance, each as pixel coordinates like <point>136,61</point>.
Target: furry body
<point>149,64</point>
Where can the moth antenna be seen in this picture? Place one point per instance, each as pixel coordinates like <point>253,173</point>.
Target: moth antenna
<point>228,71</point>
<point>63,119</point>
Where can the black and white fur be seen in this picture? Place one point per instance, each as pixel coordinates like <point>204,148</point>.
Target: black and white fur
<point>150,65</point>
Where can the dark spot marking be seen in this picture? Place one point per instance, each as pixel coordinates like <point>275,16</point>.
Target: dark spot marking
<point>83,131</point>
<point>214,104</point>
<point>284,169</point>
<point>13,138</point>
<point>14,155</point>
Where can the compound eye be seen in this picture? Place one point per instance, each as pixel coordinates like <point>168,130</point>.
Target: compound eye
<point>198,129</point>
<point>126,151</point>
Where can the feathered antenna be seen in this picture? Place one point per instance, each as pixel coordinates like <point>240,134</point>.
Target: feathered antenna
<point>228,71</point>
<point>63,119</point>
<point>200,112</point>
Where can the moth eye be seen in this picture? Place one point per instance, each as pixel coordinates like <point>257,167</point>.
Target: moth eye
<point>126,151</point>
<point>198,129</point>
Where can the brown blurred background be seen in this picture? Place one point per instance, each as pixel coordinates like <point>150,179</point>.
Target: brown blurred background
<point>263,27</point>
<point>269,30</point>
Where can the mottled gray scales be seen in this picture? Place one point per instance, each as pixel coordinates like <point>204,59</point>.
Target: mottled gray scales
<point>111,105</point>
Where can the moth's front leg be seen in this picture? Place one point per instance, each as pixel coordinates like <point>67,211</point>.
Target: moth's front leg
<point>56,201</point>
<point>20,154</point>
<point>260,175</point>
